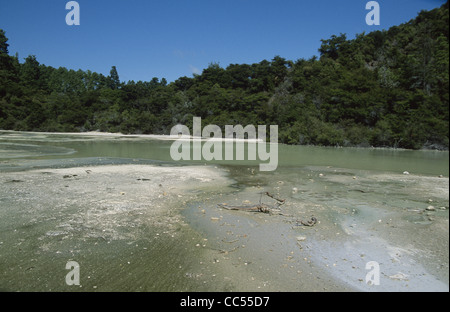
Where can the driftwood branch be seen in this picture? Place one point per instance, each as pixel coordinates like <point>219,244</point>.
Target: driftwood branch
<point>253,208</point>
<point>261,207</point>
<point>270,209</point>
<point>280,201</point>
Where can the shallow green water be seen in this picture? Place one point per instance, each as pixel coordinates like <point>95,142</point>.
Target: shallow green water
<point>318,179</point>
<point>42,147</point>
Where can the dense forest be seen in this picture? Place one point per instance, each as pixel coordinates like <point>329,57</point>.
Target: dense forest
<point>386,88</point>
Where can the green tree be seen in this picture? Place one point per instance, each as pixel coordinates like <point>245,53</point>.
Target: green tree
<point>3,43</point>
<point>330,47</point>
<point>30,72</point>
<point>113,79</point>
<point>384,88</point>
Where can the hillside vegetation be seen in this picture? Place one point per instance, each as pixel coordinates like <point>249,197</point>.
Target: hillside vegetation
<point>385,88</point>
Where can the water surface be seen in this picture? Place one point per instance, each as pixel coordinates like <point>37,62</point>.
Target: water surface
<point>362,193</point>
<point>41,146</point>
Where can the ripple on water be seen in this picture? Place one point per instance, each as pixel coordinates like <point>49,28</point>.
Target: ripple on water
<point>17,150</point>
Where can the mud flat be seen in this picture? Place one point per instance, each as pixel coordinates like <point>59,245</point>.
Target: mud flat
<point>19,135</point>
<point>129,228</point>
<point>159,228</point>
<point>121,224</point>
<point>400,222</point>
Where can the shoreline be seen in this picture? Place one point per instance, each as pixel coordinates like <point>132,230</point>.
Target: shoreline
<point>167,219</point>
<point>169,138</point>
<point>84,213</point>
<point>148,217</point>
<point>140,136</point>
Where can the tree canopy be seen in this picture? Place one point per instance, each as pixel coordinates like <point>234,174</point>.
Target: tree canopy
<point>386,88</point>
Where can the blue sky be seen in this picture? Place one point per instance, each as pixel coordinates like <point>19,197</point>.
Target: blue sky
<point>173,38</point>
